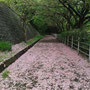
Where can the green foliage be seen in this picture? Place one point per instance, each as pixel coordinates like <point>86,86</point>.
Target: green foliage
<point>40,24</point>
<point>2,0</point>
<point>31,41</point>
<point>65,14</point>
<point>83,34</point>
<point>5,74</point>
<point>1,60</point>
<point>5,46</point>
<point>75,33</point>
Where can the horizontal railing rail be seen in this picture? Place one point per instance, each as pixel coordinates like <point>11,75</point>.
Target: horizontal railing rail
<point>81,46</point>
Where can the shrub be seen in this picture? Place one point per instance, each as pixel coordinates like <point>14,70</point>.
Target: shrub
<point>5,46</point>
<point>5,74</point>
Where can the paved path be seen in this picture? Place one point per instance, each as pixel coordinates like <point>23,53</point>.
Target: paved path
<point>49,65</point>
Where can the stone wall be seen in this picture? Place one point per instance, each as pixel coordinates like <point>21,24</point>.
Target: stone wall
<point>11,27</point>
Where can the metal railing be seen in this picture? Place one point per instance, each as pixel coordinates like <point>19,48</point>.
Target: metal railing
<point>81,47</point>
<point>78,44</point>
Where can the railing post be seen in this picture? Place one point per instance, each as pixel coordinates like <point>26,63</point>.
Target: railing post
<point>78,44</point>
<point>62,40</point>
<point>89,53</point>
<point>67,40</point>
<point>72,42</point>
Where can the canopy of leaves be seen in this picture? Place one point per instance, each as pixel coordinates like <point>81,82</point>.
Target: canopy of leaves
<point>64,14</point>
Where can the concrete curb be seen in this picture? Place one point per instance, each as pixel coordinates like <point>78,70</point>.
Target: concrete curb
<point>8,62</point>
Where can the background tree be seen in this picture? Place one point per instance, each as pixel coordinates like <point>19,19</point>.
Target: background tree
<point>64,14</point>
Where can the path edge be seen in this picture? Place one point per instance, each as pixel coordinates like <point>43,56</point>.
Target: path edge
<point>11,60</point>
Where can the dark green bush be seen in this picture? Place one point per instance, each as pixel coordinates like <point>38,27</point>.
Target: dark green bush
<point>84,38</point>
<point>5,46</point>
<point>40,24</point>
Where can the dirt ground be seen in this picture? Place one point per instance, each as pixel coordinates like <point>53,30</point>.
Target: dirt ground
<point>49,65</point>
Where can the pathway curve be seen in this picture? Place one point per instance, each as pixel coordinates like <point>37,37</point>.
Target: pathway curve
<point>49,65</point>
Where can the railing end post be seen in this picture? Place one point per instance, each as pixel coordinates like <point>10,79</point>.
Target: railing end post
<point>89,54</point>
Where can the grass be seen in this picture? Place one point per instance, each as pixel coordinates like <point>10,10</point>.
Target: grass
<point>34,39</point>
<point>88,31</point>
<point>5,46</point>
<point>5,74</point>
<point>1,60</point>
